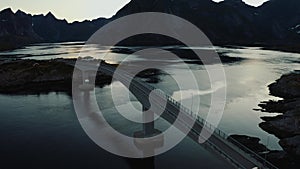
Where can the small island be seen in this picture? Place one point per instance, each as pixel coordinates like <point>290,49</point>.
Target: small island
<point>25,76</point>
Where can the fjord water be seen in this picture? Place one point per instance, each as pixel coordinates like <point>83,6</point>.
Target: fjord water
<point>42,130</point>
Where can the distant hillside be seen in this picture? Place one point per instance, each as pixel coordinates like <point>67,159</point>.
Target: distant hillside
<point>231,22</point>
<point>16,30</point>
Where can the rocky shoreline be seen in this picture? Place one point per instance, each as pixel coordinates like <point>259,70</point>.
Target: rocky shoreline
<point>40,76</point>
<point>280,159</point>
<point>285,126</point>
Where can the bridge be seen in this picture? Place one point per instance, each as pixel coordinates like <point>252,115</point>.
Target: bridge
<point>220,143</point>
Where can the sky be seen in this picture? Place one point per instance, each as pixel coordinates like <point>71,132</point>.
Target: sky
<point>77,10</point>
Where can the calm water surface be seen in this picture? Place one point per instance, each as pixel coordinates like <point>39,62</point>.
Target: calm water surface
<point>42,131</point>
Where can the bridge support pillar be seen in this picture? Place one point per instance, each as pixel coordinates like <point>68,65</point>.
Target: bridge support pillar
<point>152,137</point>
<point>148,128</point>
<point>86,86</point>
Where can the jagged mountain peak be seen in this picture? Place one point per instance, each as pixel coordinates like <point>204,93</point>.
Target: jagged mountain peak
<point>50,15</point>
<point>21,13</point>
<point>7,11</point>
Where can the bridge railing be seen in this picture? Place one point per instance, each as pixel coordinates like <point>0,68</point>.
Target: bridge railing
<point>242,148</point>
<point>237,145</point>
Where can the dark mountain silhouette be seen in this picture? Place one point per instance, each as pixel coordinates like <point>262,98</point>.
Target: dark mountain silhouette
<point>16,29</point>
<point>231,22</point>
<point>50,29</point>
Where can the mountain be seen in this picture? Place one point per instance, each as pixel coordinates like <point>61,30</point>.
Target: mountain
<point>19,29</point>
<point>230,22</point>
<point>233,22</point>
<point>280,19</point>
<point>16,29</point>
<point>51,29</point>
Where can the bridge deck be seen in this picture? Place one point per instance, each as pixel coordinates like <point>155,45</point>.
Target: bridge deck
<point>237,154</point>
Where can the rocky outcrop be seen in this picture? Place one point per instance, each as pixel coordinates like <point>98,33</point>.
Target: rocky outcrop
<point>291,145</point>
<point>34,77</point>
<point>288,86</point>
<point>280,159</point>
<point>283,126</point>
<point>287,125</point>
